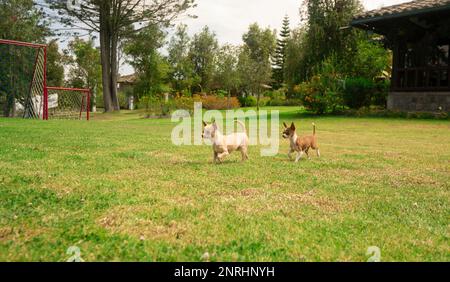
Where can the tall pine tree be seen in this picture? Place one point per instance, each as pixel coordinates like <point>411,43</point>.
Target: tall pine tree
<point>280,54</point>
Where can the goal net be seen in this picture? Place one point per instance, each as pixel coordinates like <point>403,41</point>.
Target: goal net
<point>23,86</point>
<point>22,79</point>
<point>68,103</point>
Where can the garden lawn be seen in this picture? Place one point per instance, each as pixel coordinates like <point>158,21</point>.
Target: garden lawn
<point>118,189</point>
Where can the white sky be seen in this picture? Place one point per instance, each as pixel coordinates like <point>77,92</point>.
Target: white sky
<point>230,19</point>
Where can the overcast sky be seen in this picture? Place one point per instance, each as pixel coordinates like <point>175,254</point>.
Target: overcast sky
<point>230,19</point>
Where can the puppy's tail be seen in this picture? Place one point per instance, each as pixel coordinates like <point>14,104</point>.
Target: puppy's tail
<point>242,125</point>
<point>314,129</point>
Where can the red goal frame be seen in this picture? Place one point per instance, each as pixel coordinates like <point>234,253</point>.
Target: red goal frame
<point>86,97</point>
<point>45,87</point>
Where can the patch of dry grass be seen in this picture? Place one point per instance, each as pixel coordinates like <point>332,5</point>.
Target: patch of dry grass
<point>119,190</point>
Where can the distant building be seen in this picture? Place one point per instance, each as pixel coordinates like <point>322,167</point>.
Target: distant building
<point>125,86</point>
<point>419,34</point>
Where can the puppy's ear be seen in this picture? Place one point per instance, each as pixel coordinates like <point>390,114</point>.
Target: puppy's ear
<point>285,125</point>
<point>205,124</point>
<point>293,126</point>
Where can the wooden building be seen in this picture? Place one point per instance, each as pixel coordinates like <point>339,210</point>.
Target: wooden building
<point>418,33</point>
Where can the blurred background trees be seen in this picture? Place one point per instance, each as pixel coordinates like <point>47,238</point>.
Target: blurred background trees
<point>321,64</point>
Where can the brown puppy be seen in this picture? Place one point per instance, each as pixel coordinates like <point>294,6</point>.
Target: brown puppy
<point>301,145</point>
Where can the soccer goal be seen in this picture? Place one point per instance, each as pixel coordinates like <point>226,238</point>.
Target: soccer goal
<point>23,86</point>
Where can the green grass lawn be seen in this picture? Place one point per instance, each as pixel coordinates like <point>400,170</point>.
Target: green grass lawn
<point>118,189</point>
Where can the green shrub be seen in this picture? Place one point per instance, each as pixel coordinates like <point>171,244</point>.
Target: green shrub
<point>154,106</point>
<point>277,97</point>
<point>248,101</point>
<point>321,94</point>
<point>123,100</point>
<point>382,90</point>
<point>157,107</point>
<point>361,92</point>
<point>358,92</point>
<point>382,112</point>
<point>221,93</point>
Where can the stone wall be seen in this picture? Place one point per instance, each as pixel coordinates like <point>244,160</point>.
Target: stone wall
<point>419,101</point>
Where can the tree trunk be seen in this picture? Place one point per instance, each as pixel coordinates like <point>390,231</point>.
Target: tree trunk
<point>258,98</point>
<point>114,72</point>
<point>105,49</point>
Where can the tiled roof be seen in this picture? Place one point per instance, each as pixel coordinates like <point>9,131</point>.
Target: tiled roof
<point>127,78</point>
<point>412,6</point>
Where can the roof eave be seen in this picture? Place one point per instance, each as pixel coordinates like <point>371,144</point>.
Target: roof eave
<point>364,21</point>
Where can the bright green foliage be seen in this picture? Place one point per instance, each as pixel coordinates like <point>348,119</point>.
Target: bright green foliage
<point>151,67</point>
<point>86,71</point>
<point>202,52</point>
<point>325,52</point>
<point>323,92</point>
<point>226,74</point>
<point>182,75</point>
<point>294,70</point>
<point>254,61</point>
<point>370,60</point>
<point>326,32</point>
<point>248,101</point>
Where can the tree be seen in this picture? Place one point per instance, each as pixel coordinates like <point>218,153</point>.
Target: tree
<point>280,54</point>
<point>255,59</point>
<point>86,71</point>
<point>113,20</point>
<point>182,75</point>
<point>295,71</point>
<point>19,20</point>
<point>370,60</point>
<point>151,67</point>
<point>55,67</point>
<point>226,69</point>
<point>202,51</point>
<point>326,33</point>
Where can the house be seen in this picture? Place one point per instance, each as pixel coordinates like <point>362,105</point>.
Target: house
<point>125,86</point>
<point>418,32</point>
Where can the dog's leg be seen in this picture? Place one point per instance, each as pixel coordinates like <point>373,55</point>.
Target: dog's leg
<point>244,152</point>
<point>318,152</point>
<point>290,154</point>
<point>307,154</point>
<point>299,156</point>
<point>215,158</point>
<point>223,155</point>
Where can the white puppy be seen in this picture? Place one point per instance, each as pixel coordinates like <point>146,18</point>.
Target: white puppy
<point>225,145</point>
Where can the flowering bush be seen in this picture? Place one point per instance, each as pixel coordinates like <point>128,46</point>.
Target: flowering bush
<point>212,102</point>
<point>157,107</point>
